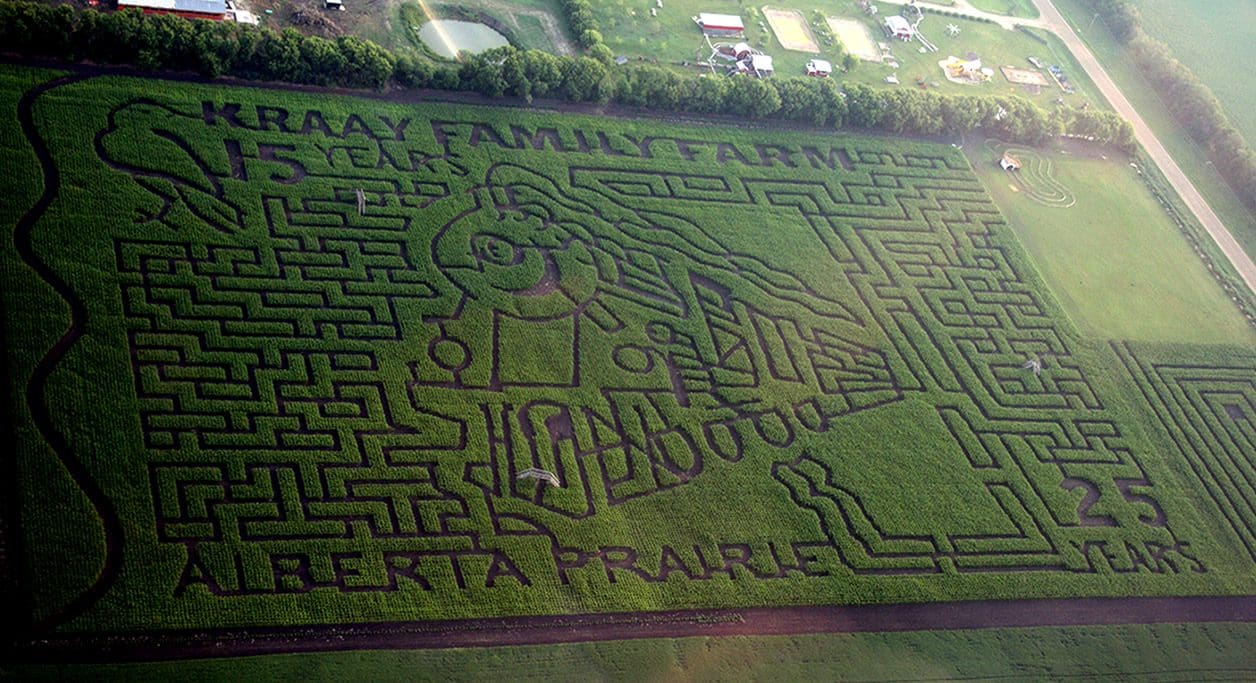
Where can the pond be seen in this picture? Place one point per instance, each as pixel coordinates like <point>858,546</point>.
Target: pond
<point>448,37</point>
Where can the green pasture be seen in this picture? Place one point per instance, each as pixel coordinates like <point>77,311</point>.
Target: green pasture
<point>1012,8</point>
<point>1160,652</point>
<point>1142,95</point>
<point>1216,40</point>
<point>531,34</point>
<point>399,30</point>
<point>1118,265</point>
<point>316,340</point>
<point>672,37</point>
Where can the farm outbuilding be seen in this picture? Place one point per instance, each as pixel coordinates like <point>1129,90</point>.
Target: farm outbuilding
<point>819,67</point>
<point>897,26</point>
<point>215,10</point>
<point>720,24</point>
<point>759,65</point>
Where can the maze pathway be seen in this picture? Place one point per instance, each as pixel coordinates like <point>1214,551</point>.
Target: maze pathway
<point>339,332</point>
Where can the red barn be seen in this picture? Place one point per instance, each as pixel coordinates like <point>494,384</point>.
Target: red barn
<point>190,9</point>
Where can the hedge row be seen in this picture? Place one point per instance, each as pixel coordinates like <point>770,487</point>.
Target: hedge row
<point>210,47</point>
<point>215,48</point>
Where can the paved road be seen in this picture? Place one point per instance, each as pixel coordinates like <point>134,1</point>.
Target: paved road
<point>1050,19</point>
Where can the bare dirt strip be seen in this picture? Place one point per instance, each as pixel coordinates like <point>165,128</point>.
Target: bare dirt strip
<point>791,29</point>
<point>629,625</point>
<point>1024,76</point>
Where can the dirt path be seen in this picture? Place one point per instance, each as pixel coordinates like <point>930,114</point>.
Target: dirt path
<point>1054,22</point>
<point>628,625</point>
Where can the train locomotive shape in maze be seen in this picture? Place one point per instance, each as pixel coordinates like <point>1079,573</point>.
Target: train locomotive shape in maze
<point>647,301</point>
<point>310,370</point>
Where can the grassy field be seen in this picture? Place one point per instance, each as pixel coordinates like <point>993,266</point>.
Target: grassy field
<point>531,34</point>
<point>1163,652</point>
<point>315,341</point>
<point>391,23</point>
<point>1216,40</point>
<point>1011,8</point>
<point>1107,248</point>
<point>672,36</point>
<point>1142,95</point>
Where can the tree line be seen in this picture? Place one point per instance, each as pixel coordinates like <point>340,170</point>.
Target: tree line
<point>212,48</point>
<point>227,48</point>
<point>1191,102</point>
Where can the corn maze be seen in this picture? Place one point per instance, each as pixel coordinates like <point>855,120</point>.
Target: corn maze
<point>294,353</point>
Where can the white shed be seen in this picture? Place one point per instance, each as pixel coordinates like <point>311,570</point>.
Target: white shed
<point>762,65</point>
<point>898,27</point>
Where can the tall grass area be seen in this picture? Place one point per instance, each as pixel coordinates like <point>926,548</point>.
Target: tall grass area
<point>1193,160</point>
<point>1119,266</point>
<point>531,34</point>
<point>1159,652</point>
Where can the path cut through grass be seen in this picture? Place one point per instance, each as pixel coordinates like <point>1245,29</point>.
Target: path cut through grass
<point>1109,252</point>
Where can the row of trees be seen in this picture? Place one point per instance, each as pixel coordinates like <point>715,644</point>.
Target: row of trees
<point>1190,101</point>
<point>581,22</point>
<point>217,48</point>
<point>815,101</point>
<point>212,48</point>
<point>584,27</point>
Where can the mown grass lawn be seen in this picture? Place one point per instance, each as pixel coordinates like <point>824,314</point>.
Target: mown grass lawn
<point>1188,155</point>
<point>1118,265</point>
